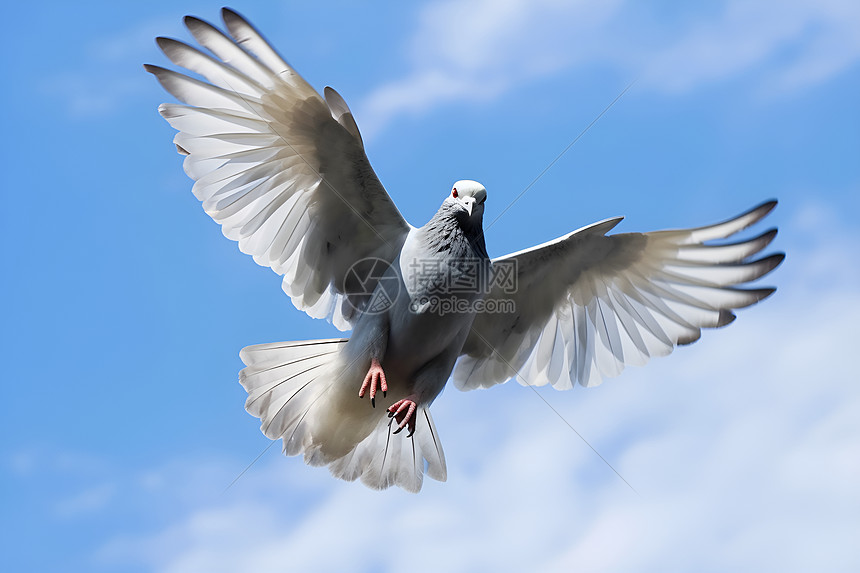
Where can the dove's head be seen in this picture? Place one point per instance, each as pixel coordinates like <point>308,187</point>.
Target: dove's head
<point>467,197</point>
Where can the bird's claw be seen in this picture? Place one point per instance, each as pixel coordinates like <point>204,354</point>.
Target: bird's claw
<point>375,375</point>
<point>403,412</point>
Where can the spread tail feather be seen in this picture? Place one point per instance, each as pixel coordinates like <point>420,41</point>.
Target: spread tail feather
<point>303,393</point>
<point>383,459</point>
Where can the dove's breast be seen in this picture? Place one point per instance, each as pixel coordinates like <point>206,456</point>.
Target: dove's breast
<point>432,316</point>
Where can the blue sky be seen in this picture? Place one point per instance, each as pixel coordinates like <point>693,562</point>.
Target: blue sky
<point>123,422</point>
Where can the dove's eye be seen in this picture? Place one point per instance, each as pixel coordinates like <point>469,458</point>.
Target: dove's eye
<point>454,193</point>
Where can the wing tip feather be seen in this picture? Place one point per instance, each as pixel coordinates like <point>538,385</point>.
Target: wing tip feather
<point>761,210</point>
<point>691,338</point>
<point>227,12</point>
<point>726,317</point>
<point>153,69</point>
<point>231,18</point>
<point>190,21</point>
<point>768,236</point>
<point>164,43</point>
<point>772,261</point>
<point>763,293</point>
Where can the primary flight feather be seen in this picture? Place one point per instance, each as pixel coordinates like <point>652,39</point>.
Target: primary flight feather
<point>284,172</point>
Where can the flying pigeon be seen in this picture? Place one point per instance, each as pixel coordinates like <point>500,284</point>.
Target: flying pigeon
<point>284,172</point>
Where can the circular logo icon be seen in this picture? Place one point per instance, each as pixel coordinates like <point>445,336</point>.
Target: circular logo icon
<point>372,285</point>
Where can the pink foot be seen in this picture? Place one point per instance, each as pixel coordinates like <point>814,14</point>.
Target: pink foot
<point>403,411</point>
<point>374,376</point>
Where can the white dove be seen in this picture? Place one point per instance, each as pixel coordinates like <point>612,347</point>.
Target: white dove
<point>284,172</point>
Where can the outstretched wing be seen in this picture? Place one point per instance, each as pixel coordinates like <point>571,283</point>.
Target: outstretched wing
<point>587,304</point>
<point>282,171</point>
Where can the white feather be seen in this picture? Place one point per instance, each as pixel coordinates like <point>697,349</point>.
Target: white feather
<point>297,391</point>
<point>633,296</point>
<point>262,146</point>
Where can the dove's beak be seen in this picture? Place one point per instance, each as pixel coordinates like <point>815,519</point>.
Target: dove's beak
<point>469,203</point>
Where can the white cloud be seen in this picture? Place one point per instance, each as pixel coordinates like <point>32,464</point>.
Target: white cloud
<point>110,72</point>
<point>478,49</point>
<point>794,44</point>
<point>743,448</point>
<point>94,94</point>
<point>88,501</point>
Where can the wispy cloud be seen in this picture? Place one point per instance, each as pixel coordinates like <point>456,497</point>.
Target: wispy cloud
<point>478,49</point>
<point>793,45</point>
<point>741,447</point>
<point>109,75</point>
<point>475,50</point>
<point>90,94</point>
<point>87,501</point>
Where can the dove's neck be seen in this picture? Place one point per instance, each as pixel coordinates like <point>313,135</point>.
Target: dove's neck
<point>448,234</point>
